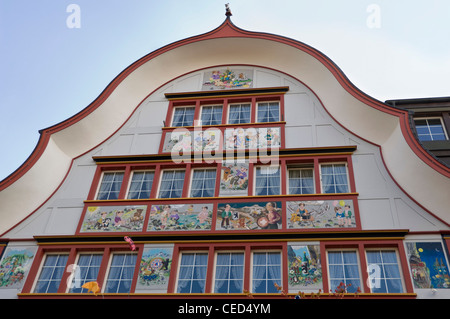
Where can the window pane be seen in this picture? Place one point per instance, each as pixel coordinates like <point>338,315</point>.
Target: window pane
<point>344,268</point>
<point>87,269</point>
<point>430,129</point>
<point>171,184</point>
<point>192,274</point>
<point>229,272</point>
<point>141,185</point>
<point>301,181</point>
<point>183,116</point>
<point>110,186</point>
<point>266,272</point>
<point>121,273</point>
<point>334,178</point>
<point>385,275</point>
<point>51,274</point>
<point>203,183</point>
<point>211,115</point>
<point>267,181</point>
<point>268,112</point>
<point>239,113</point>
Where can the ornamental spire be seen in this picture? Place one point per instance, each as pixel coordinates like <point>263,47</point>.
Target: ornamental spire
<point>227,10</point>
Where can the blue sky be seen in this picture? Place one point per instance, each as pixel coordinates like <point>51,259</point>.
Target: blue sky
<point>48,72</point>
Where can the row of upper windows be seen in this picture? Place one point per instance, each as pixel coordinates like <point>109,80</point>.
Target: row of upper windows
<point>237,113</point>
<point>227,271</point>
<point>268,180</point>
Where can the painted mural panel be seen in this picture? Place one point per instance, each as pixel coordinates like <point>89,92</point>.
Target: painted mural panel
<point>180,217</point>
<point>114,218</point>
<point>249,216</point>
<point>222,79</point>
<point>304,267</point>
<point>234,179</point>
<point>15,265</point>
<point>428,264</point>
<point>252,138</point>
<point>320,214</point>
<point>154,269</point>
<point>182,140</point>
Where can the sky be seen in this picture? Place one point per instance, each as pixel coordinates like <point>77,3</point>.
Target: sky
<point>57,56</point>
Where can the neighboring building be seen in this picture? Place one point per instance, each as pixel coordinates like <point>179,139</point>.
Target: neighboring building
<point>231,163</point>
<point>431,122</point>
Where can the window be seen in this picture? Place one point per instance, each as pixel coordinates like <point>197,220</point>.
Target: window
<point>301,181</point>
<point>110,185</point>
<point>141,185</point>
<point>51,273</point>
<point>239,113</point>
<point>229,274</point>
<point>430,129</point>
<point>171,184</point>
<point>267,180</point>
<point>384,274</point>
<point>268,112</point>
<point>121,273</point>
<point>266,272</point>
<point>343,268</point>
<point>203,183</point>
<point>183,116</point>
<point>192,273</point>
<point>87,269</point>
<point>334,178</point>
<point>211,115</point>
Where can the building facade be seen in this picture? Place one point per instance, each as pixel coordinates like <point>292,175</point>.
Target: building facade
<point>230,164</point>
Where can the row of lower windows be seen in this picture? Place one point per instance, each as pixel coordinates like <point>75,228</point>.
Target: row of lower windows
<point>267,181</point>
<point>228,271</point>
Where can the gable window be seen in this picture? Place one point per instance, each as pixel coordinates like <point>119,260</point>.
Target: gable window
<point>183,116</point>
<point>266,272</point>
<point>51,273</point>
<point>430,129</point>
<point>334,178</point>
<point>88,266</point>
<point>121,273</point>
<point>239,113</point>
<point>171,184</point>
<point>192,273</point>
<point>301,180</point>
<point>267,180</point>
<point>211,115</point>
<point>229,276</point>
<point>141,185</point>
<point>203,183</point>
<point>110,185</point>
<point>268,112</point>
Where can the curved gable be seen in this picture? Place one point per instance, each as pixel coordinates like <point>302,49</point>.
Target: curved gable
<point>415,171</point>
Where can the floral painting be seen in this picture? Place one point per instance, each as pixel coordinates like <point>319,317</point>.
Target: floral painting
<point>14,266</point>
<point>114,218</point>
<point>154,269</point>
<point>249,216</point>
<point>220,79</point>
<point>176,217</point>
<point>320,214</point>
<point>428,264</point>
<point>304,268</point>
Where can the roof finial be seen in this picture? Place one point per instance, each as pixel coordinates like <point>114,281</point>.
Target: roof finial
<point>227,10</point>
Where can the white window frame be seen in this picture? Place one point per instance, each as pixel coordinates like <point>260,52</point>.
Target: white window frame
<point>252,264</point>
<point>68,288</point>
<point>268,102</point>
<point>180,256</point>
<point>160,180</point>
<point>256,167</point>
<point>101,180</point>
<point>431,118</point>
<point>356,251</point>
<point>300,167</point>
<point>44,258</point>
<point>210,105</point>
<point>399,263</point>
<point>191,179</point>
<point>216,253</point>
<point>334,163</point>
<point>108,269</point>
<point>182,107</point>
<point>240,105</point>
<point>131,179</point>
